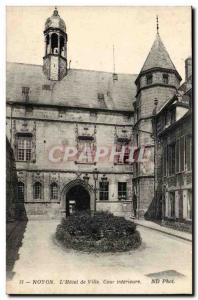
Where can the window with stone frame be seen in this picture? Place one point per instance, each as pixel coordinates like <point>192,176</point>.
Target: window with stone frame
<point>122,158</point>
<point>53,191</point>
<point>165,161</point>
<point>182,154</point>
<point>188,153</point>
<point>104,190</point>
<point>37,190</point>
<point>171,159</point>
<point>86,144</point>
<point>20,191</point>
<point>86,150</point>
<point>122,190</point>
<point>149,79</point>
<point>24,147</point>
<point>165,78</point>
<point>122,145</point>
<point>177,156</point>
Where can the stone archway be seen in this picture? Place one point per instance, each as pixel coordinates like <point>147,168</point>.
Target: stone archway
<point>79,190</point>
<point>77,199</point>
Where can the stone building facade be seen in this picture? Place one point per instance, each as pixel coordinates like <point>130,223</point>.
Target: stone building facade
<point>53,110</point>
<point>158,81</point>
<point>174,154</point>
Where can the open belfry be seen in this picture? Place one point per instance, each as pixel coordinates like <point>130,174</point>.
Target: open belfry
<point>72,132</point>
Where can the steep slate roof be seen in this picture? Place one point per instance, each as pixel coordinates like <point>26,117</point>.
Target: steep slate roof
<point>79,88</point>
<point>158,57</point>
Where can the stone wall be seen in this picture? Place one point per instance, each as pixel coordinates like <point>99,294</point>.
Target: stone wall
<point>11,184</point>
<point>179,183</point>
<point>56,129</point>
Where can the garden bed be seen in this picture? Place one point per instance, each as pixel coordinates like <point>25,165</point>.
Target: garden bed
<point>102,232</point>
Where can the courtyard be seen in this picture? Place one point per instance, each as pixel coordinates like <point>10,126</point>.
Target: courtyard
<point>162,264</point>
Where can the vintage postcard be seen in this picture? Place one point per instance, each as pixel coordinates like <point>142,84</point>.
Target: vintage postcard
<point>99,150</point>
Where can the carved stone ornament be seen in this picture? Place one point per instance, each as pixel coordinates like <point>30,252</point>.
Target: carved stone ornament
<point>37,177</point>
<point>123,135</point>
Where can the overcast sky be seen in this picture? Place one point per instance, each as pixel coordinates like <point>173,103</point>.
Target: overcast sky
<point>92,31</point>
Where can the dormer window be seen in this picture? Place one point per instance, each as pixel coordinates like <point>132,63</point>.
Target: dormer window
<point>165,78</point>
<point>149,79</point>
<point>100,96</point>
<point>115,76</point>
<point>25,92</point>
<point>101,100</point>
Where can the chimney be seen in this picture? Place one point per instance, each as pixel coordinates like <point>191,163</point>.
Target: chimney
<point>188,68</point>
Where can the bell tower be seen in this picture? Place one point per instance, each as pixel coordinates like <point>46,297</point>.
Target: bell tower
<point>55,59</point>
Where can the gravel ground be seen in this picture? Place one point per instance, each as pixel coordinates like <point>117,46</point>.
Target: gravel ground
<point>45,267</point>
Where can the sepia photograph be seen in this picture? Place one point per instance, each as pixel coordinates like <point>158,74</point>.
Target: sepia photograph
<point>99,114</point>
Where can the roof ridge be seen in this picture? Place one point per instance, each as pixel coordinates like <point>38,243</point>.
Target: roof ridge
<point>74,69</point>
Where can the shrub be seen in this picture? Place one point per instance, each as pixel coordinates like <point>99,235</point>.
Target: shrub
<point>102,232</point>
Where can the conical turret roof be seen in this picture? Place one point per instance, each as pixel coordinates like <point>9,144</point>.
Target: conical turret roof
<point>158,57</point>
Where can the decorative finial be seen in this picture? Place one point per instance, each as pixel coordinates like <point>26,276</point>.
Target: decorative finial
<point>55,11</point>
<point>115,76</point>
<point>157,24</point>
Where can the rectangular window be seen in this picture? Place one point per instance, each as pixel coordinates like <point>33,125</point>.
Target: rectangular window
<point>124,155</point>
<point>188,153</point>
<point>25,93</point>
<point>86,151</point>
<point>165,161</point>
<point>172,204</point>
<point>177,155</point>
<point>165,78</point>
<point>54,191</point>
<point>149,79</point>
<point>189,205</point>
<point>171,159</point>
<point>122,190</point>
<point>100,96</point>
<point>25,90</point>
<point>37,190</point>
<point>182,154</point>
<point>20,190</point>
<point>24,148</point>
<point>104,190</point>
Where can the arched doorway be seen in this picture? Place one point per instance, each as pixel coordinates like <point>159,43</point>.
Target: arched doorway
<point>77,199</point>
